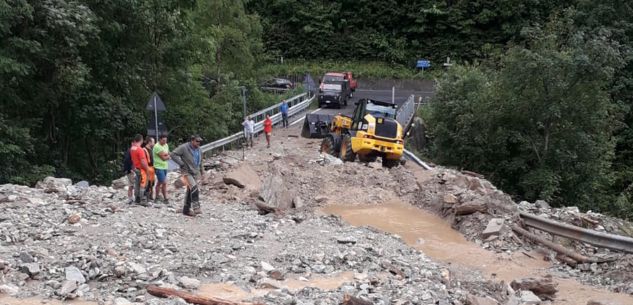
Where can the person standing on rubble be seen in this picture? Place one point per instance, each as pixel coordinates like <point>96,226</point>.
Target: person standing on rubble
<point>189,157</point>
<point>249,130</point>
<point>284,113</point>
<point>268,129</point>
<point>148,146</point>
<point>161,156</point>
<point>141,169</point>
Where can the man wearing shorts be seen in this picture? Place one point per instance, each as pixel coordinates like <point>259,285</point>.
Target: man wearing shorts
<point>268,129</point>
<point>161,156</point>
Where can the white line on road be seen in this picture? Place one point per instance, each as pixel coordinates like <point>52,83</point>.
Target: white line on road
<point>388,90</point>
<point>301,119</point>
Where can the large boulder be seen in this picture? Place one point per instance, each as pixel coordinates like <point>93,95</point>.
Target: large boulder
<point>55,185</point>
<point>275,195</point>
<point>243,177</point>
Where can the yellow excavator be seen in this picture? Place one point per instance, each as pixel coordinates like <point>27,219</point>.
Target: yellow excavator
<point>371,132</point>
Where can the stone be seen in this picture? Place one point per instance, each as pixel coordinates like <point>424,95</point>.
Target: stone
<point>542,204</point>
<point>297,202</point>
<point>52,184</point>
<point>275,194</point>
<point>346,240</point>
<point>120,183</point>
<point>243,177</point>
<point>74,274</point>
<point>267,267</point>
<point>25,257</point>
<point>545,288</point>
<point>188,282</point>
<point>450,199</point>
<point>9,289</point>
<point>331,160</point>
<point>374,165</point>
<point>477,300</point>
<point>277,275</point>
<point>494,227</point>
<point>67,288</point>
<point>121,301</point>
<point>119,271</point>
<point>73,219</point>
<point>267,283</point>
<point>32,269</point>
<point>321,199</point>
<point>82,184</point>
<point>529,298</point>
<point>138,268</point>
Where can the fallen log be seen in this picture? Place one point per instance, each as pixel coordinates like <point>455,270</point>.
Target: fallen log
<point>468,208</point>
<point>189,297</point>
<point>565,259</point>
<point>350,300</point>
<point>556,247</point>
<point>472,174</point>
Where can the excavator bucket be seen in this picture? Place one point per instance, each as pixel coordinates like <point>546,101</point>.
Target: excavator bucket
<point>316,125</point>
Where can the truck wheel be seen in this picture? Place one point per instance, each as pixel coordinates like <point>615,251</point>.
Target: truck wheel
<point>328,146</point>
<point>389,163</point>
<point>345,102</point>
<point>347,154</point>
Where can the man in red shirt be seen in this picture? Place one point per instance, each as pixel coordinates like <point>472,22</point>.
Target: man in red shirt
<point>141,168</point>
<point>268,128</point>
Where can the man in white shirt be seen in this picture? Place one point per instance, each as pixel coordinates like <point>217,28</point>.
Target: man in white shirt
<point>249,130</point>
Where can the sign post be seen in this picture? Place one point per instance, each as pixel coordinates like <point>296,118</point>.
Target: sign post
<point>156,125</point>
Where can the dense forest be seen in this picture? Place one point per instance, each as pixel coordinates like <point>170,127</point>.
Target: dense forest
<point>540,101</point>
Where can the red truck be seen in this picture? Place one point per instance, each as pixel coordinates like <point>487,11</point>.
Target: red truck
<point>336,77</point>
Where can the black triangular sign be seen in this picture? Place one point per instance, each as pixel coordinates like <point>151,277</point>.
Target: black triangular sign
<point>155,99</point>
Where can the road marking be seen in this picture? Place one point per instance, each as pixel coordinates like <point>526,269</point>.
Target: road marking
<point>389,90</point>
<point>301,119</point>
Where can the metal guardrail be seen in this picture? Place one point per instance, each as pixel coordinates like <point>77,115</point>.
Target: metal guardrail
<point>296,105</point>
<point>605,240</point>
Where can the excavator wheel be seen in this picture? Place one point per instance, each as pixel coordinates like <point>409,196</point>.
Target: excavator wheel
<point>328,146</point>
<point>366,158</point>
<point>347,154</point>
<point>389,163</point>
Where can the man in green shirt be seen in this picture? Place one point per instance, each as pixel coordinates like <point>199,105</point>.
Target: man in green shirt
<point>161,155</point>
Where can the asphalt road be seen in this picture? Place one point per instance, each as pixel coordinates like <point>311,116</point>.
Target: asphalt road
<point>383,95</point>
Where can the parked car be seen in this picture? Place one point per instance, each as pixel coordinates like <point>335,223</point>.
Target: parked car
<point>277,84</point>
<point>333,94</point>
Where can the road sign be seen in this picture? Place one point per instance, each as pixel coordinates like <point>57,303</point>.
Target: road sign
<point>156,124</point>
<point>423,64</point>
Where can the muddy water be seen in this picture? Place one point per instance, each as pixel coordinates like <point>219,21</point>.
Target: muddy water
<point>234,293</point>
<point>437,239</point>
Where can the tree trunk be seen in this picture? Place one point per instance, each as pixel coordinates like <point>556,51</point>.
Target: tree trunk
<point>189,297</point>
<point>556,247</point>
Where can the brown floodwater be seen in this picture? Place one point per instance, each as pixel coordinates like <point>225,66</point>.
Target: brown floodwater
<point>433,236</point>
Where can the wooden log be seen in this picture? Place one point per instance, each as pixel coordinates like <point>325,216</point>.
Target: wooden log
<point>350,300</point>
<point>472,174</point>
<point>556,247</point>
<point>567,260</point>
<point>189,297</point>
<point>470,207</point>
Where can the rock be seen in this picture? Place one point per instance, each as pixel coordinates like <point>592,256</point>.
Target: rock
<point>119,271</point>
<point>331,160</point>
<point>138,268</point>
<point>25,257</point>
<point>74,274</point>
<point>267,283</point>
<point>74,218</point>
<point>277,275</point>
<point>243,177</point>
<point>529,298</point>
<point>477,300</point>
<point>542,204</point>
<point>32,269</point>
<point>120,183</point>
<point>346,240</point>
<point>67,288</point>
<point>9,289</point>
<point>82,184</point>
<point>52,184</point>
<point>275,194</point>
<point>189,283</point>
<point>374,165</point>
<point>321,199</point>
<point>494,227</point>
<point>297,202</point>
<point>544,287</point>
<point>267,267</point>
<point>121,301</point>
<point>450,199</point>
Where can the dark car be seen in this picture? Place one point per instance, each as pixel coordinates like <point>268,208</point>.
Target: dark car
<point>333,94</point>
<point>277,84</point>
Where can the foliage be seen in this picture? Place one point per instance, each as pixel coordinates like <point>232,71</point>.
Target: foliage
<point>540,126</point>
<point>361,69</point>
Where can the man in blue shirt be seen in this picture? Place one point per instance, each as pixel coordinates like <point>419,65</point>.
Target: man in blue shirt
<point>189,158</point>
<point>284,113</point>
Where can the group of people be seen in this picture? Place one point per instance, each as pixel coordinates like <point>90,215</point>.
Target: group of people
<point>146,165</point>
<point>249,125</point>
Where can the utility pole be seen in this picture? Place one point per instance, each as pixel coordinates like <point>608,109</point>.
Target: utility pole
<point>155,118</point>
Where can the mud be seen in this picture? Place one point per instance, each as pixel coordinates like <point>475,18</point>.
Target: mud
<point>433,236</point>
